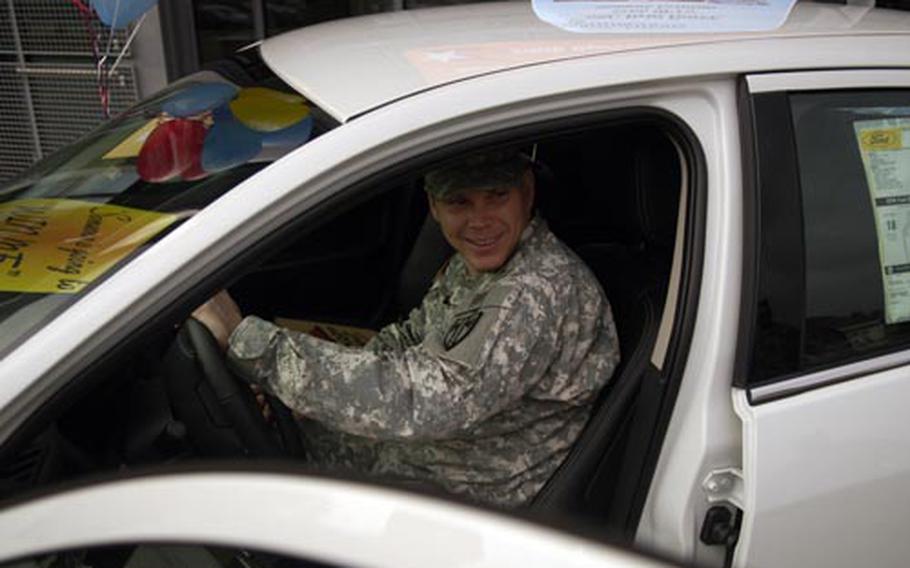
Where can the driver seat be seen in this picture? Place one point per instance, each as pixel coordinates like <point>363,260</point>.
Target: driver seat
<point>629,246</point>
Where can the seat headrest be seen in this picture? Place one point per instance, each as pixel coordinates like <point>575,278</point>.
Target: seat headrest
<point>622,189</point>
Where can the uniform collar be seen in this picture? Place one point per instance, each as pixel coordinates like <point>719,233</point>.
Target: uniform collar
<point>535,226</point>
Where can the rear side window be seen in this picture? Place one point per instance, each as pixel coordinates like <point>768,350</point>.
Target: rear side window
<point>833,265</point>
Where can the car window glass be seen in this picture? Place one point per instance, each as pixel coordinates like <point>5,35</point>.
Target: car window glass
<point>74,217</point>
<point>834,271</point>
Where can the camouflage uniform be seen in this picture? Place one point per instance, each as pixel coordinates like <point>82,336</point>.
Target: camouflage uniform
<point>482,390</point>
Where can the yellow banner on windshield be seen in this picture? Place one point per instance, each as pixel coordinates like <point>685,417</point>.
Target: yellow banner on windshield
<point>58,246</point>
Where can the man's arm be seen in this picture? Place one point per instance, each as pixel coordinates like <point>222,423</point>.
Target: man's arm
<point>485,360</point>
<point>412,331</point>
<point>400,335</point>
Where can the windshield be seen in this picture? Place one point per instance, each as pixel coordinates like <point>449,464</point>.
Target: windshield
<point>76,216</point>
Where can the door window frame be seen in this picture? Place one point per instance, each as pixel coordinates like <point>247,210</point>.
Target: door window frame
<point>770,160</point>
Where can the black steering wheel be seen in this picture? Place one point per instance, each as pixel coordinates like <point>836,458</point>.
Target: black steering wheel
<point>219,410</point>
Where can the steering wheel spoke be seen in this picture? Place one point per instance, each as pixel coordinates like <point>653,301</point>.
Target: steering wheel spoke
<point>219,410</point>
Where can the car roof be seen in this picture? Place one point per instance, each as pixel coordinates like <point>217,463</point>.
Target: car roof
<point>348,67</point>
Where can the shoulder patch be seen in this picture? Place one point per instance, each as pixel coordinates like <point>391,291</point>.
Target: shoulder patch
<point>461,327</point>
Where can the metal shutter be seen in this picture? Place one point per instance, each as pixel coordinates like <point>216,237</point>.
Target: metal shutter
<point>48,86</point>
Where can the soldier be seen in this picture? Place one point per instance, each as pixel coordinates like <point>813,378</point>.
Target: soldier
<point>485,387</point>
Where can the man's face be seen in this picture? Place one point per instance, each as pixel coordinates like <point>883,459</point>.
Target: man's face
<point>485,225</point>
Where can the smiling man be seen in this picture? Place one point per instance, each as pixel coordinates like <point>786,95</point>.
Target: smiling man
<point>483,206</point>
<point>484,388</point>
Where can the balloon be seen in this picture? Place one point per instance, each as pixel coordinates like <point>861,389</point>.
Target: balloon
<point>289,98</point>
<point>268,110</point>
<point>229,143</point>
<point>197,99</point>
<point>193,139</point>
<point>173,148</point>
<point>194,171</point>
<point>291,136</point>
<point>123,11</point>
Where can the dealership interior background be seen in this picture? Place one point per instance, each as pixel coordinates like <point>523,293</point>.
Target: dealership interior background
<point>48,71</point>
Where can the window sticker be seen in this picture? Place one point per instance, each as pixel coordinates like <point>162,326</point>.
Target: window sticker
<point>885,149</point>
<point>58,246</point>
<point>664,16</point>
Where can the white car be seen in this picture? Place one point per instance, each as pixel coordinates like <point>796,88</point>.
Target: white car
<point>278,519</point>
<point>743,197</point>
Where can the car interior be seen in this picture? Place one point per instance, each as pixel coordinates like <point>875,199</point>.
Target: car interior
<point>611,192</point>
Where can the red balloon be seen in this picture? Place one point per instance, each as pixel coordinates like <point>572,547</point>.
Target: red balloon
<point>173,149</point>
<point>194,172</point>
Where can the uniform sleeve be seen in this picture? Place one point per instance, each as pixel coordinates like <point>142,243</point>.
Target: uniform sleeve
<point>477,364</point>
<point>407,333</point>
<point>400,335</point>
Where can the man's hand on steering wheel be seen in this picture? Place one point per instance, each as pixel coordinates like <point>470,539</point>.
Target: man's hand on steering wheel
<point>223,415</point>
<point>262,401</point>
<point>221,316</point>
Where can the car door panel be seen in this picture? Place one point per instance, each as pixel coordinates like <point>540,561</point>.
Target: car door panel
<point>826,474</point>
<point>821,377</point>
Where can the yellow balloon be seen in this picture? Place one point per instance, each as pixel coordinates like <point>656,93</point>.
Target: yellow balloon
<point>267,110</point>
<point>270,93</point>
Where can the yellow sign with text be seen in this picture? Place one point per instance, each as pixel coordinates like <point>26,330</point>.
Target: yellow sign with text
<point>881,139</point>
<point>58,246</point>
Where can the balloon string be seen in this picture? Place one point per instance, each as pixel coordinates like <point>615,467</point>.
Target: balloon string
<point>110,37</point>
<point>81,6</point>
<point>88,19</point>
<point>126,46</point>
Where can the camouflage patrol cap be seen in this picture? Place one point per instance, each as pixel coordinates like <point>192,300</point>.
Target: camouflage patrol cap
<point>489,170</point>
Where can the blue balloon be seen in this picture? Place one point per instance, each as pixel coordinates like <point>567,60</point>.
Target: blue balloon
<point>228,143</point>
<point>198,98</point>
<point>292,136</point>
<point>123,11</point>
